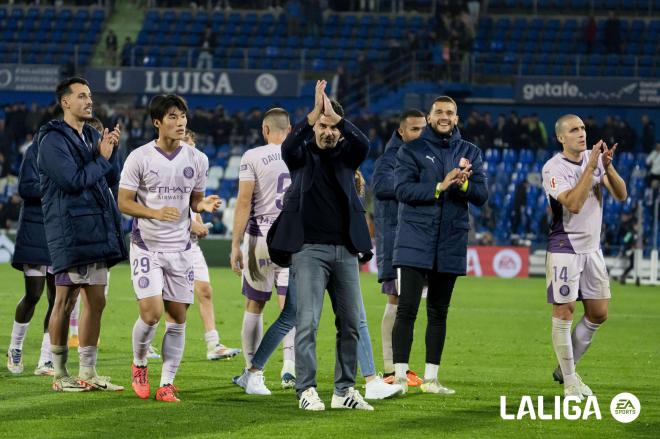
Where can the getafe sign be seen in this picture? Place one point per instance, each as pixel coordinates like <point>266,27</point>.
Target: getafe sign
<point>587,91</point>
<point>253,83</point>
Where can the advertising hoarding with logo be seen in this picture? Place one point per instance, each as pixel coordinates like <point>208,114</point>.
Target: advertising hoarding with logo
<point>504,262</point>
<point>244,83</point>
<point>587,91</point>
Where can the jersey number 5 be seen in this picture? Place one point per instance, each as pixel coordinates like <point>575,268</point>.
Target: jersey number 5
<point>283,182</point>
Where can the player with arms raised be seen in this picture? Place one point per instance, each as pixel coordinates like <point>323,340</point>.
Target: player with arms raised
<point>160,182</point>
<point>575,267</point>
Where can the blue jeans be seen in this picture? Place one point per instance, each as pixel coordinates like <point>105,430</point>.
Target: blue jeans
<point>315,268</point>
<point>287,320</point>
<point>277,331</point>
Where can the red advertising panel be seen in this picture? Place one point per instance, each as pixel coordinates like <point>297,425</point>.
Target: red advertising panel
<point>498,261</point>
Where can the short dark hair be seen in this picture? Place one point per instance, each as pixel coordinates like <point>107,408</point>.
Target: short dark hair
<point>191,135</point>
<point>277,118</point>
<point>159,105</point>
<point>411,112</point>
<point>337,107</point>
<point>64,87</point>
<point>96,123</point>
<point>445,99</point>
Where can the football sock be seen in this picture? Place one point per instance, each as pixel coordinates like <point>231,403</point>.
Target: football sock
<point>60,355</point>
<point>73,320</point>
<point>431,372</point>
<point>173,344</point>
<point>251,334</point>
<point>582,335</point>
<point>561,341</point>
<point>212,339</point>
<point>386,335</point>
<point>87,356</point>
<point>143,335</point>
<point>18,332</point>
<point>400,370</point>
<point>45,355</point>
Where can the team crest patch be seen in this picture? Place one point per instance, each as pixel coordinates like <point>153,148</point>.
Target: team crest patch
<point>191,276</point>
<point>564,290</point>
<point>188,172</point>
<point>82,270</point>
<point>143,282</point>
<point>597,172</point>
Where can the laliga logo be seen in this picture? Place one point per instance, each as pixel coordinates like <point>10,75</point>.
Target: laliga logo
<point>568,409</point>
<point>625,408</point>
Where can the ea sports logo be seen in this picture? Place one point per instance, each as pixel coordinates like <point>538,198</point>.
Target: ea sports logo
<point>507,263</point>
<point>188,172</point>
<point>625,407</point>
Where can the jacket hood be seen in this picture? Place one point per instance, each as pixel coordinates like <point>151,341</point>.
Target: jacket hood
<point>395,141</point>
<point>66,130</point>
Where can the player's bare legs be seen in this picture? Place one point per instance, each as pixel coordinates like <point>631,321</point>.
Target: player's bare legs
<point>204,292</point>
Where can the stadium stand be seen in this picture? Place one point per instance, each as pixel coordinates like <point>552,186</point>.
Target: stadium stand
<point>64,36</point>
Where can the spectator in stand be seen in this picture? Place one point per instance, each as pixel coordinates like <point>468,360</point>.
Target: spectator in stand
<point>612,34</point>
<point>127,52</point>
<point>512,132</point>
<point>111,46</point>
<point>590,34</point>
<point>536,133</point>
<point>221,126</point>
<point>293,13</point>
<point>499,134</point>
<point>648,134</point>
<point>653,162</point>
<point>628,240</point>
<point>205,58</point>
<point>593,132</point>
<point>33,118</point>
<point>519,224</point>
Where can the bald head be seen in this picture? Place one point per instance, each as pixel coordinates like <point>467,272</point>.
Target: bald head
<point>277,119</point>
<point>563,122</point>
<point>571,133</point>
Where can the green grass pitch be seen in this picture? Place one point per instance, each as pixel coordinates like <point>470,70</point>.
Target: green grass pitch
<point>498,343</point>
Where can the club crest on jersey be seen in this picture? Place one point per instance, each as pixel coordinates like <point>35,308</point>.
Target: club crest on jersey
<point>597,172</point>
<point>143,282</point>
<point>463,162</point>
<point>564,290</point>
<point>188,172</point>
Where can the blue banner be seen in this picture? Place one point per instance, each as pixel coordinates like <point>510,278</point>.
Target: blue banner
<point>587,91</point>
<point>28,77</point>
<point>196,82</point>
